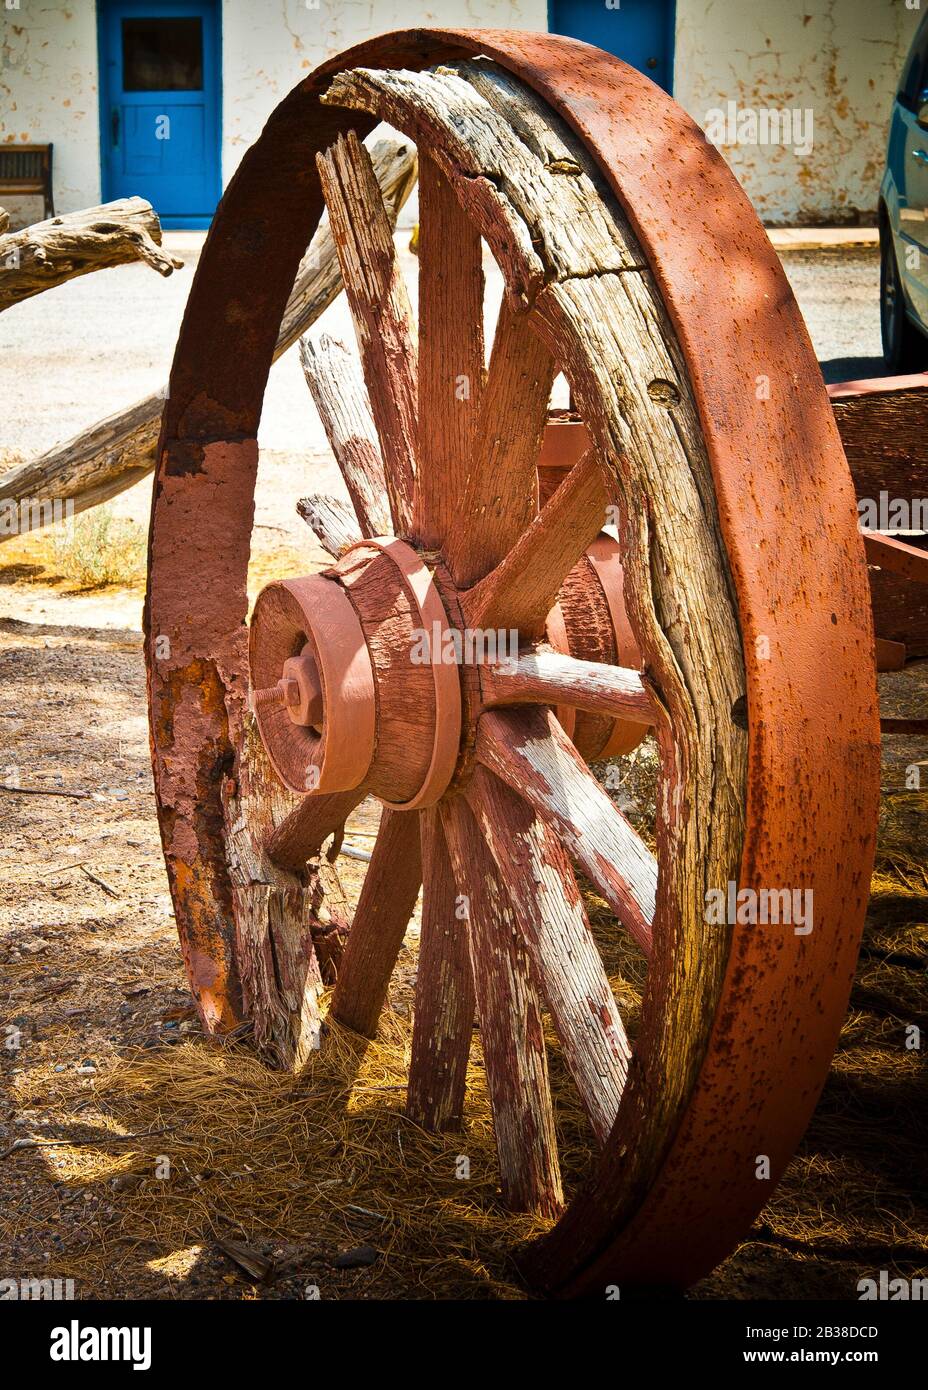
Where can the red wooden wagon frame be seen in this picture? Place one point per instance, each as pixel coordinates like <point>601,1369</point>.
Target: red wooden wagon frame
<point>730,609</point>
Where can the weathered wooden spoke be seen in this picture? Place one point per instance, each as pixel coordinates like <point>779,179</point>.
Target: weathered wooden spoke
<point>388,897</point>
<point>334,378</point>
<point>364,675</point>
<point>444,1009</point>
<point>500,495</point>
<point>381,310</point>
<point>547,907</point>
<point>511,1029</point>
<point>450,352</point>
<point>302,833</point>
<point>544,677</point>
<point>332,520</point>
<point>524,587</point>
<point>529,750</point>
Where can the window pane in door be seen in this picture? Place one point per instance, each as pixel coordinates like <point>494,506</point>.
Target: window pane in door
<point>162,55</point>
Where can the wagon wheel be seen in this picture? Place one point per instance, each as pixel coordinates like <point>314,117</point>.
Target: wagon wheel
<point>756,662</point>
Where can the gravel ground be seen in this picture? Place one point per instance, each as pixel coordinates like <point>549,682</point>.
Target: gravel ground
<point>96,344</point>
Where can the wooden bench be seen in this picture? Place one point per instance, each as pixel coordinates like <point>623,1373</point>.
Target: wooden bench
<point>26,169</point>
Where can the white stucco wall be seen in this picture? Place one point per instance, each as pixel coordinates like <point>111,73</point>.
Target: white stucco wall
<point>48,92</point>
<point>841,59</point>
<point>269,46</point>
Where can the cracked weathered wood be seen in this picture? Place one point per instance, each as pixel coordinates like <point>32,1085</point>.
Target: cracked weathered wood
<point>443,1017</point>
<point>115,453</point>
<point>39,257</point>
<point>333,375</point>
<point>549,911</point>
<point>380,309</point>
<point>385,905</point>
<point>274,911</point>
<point>332,520</point>
<point>511,1025</point>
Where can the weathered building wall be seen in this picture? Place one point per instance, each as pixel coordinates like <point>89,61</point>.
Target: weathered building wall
<point>263,59</point>
<point>48,69</point>
<point>48,92</point>
<point>839,59</point>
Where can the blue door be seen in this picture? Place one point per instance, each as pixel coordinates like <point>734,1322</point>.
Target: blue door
<point>638,31</point>
<point>159,105</point>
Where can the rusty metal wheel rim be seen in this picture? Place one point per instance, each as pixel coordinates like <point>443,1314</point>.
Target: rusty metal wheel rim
<point>813,713</point>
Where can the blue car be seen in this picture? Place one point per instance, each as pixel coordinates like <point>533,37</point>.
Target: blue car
<point>903,218</point>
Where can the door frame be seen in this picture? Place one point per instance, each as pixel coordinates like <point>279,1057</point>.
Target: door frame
<point>149,8</point>
<point>671,35</point>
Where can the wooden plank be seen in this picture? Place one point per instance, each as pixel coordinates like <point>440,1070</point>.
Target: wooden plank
<point>523,588</point>
<point>333,375</point>
<point>443,1022</point>
<point>381,311</point>
<point>385,905</point>
<point>529,750</point>
<point>881,423</point>
<point>547,906</point>
<point>450,353</point>
<point>543,677</point>
<point>511,1030</point>
<point>500,496</point>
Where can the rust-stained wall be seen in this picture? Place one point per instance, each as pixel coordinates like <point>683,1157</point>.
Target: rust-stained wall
<point>841,59</point>
<point>48,91</point>
<point>270,45</point>
<point>48,69</point>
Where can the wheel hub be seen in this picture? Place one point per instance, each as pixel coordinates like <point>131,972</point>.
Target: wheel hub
<point>352,680</point>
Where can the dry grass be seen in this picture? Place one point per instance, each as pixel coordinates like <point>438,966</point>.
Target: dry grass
<point>301,1169</point>
<point>97,549</point>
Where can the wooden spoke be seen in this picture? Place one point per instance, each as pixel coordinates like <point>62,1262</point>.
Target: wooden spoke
<point>531,752</point>
<point>500,496</point>
<point>381,311</point>
<point>523,588</point>
<point>549,911</point>
<point>510,1024</point>
<point>549,678</point>
<point>301,834</point>
<point>274,912</point>
<point>388,897</point>
<point>332,520</point>
<point>450,352</point>
<point>443,1022</point>
<point>333,375</point>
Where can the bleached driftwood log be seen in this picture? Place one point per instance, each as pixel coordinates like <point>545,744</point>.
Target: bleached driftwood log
<point>119,450</point>
<point>62,248</point>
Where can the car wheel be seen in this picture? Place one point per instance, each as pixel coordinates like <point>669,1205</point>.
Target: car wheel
<point>904,347</point>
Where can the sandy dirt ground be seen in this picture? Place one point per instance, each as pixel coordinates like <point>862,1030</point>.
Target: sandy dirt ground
<point>103,1068</point>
